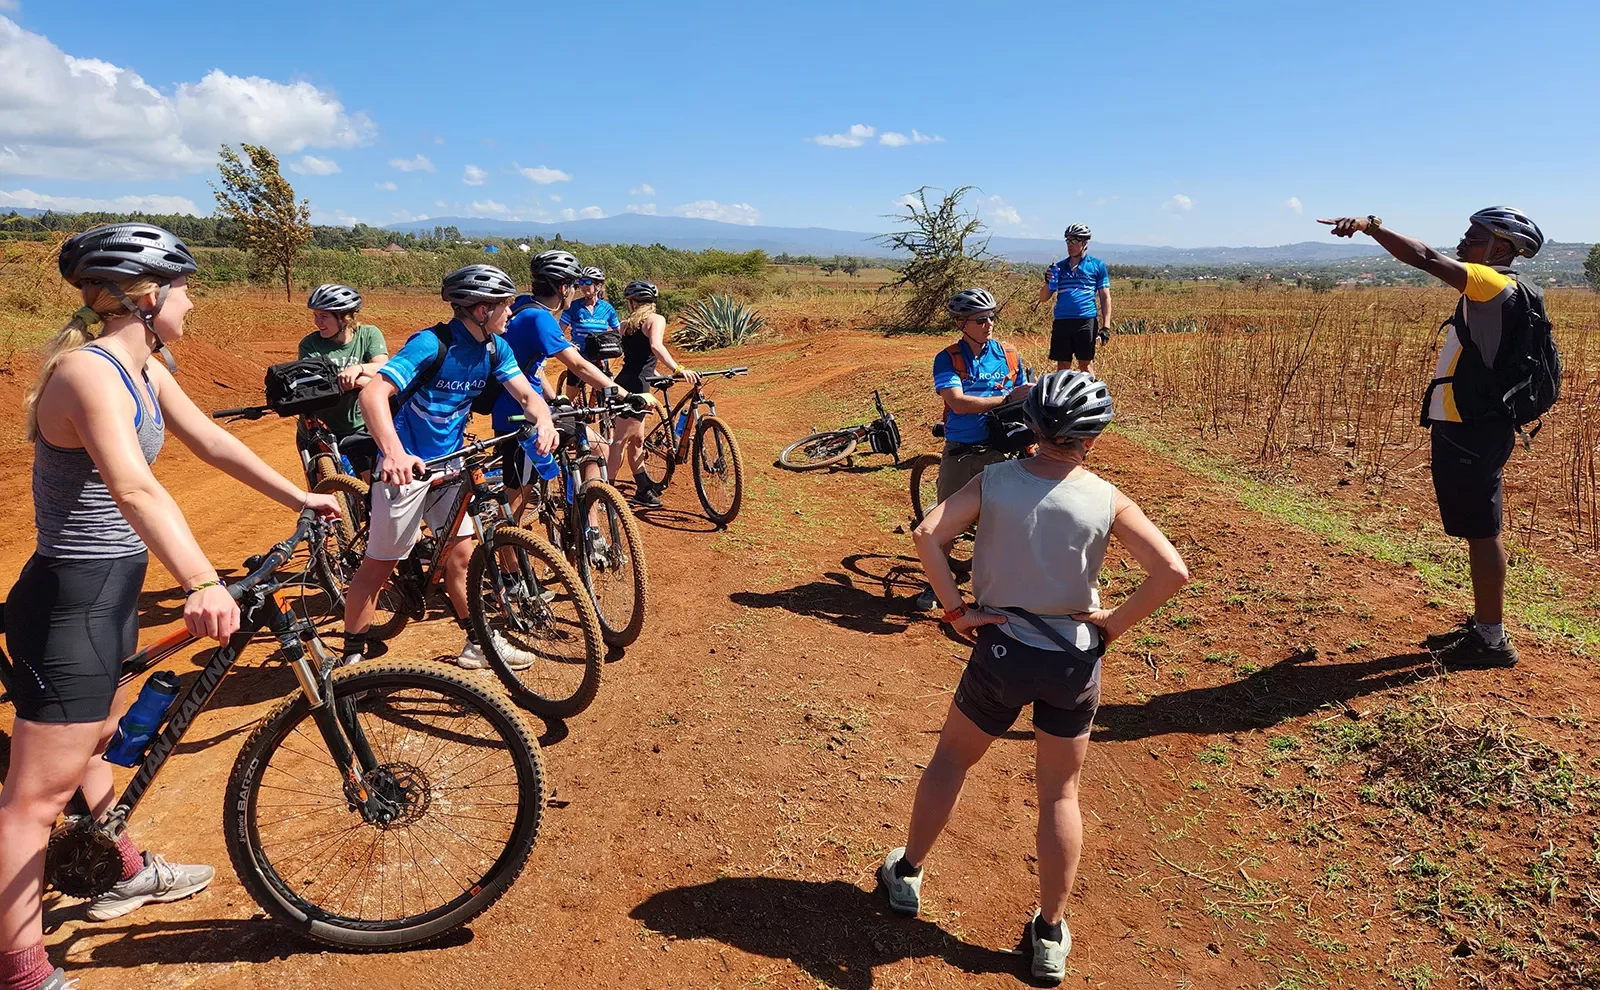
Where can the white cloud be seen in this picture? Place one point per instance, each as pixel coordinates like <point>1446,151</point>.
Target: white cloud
<point>332,218</point>
<point>648,209</point>
<point>488,206</point>
<point>642,189</point>
<point>10,5</point>
<point>591,213</point>
<point>909,200</point>
<point>1178,204</point>
<point>710,209</point>
<point>439,140</point>
<point>554,198</point>
<point>999,211</point>
<point>440,204</point>
<point>543,175</point>
<point>28,199</point>
<point>472,175</point>
<point>82,118</point>
<point>312,165</point>
<point>895,139</point>
<point>858,135</point>
<point>387,186</point>
<point>1293,203</point>
<point>418,164</point>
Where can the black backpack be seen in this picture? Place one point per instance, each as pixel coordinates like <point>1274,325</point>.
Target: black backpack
<point>1526,379</point>
<point>483,402</point>
<point>304,386</point>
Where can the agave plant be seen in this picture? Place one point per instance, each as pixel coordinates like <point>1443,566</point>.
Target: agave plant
<point>718,321</point>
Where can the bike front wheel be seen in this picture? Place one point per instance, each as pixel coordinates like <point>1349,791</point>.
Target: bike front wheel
<point>819,450</point>
<point>458,772</point>
<point>536,622</point>
<point>718,471</point>
<point>611,562</point>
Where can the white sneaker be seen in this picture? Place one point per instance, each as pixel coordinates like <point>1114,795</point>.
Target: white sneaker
<point>515,657</point>
<point>159,882</point>
<point>1049,958</point>
<point>472,657</point>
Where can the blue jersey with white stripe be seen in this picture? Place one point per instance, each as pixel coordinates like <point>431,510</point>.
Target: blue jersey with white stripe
<point>434,422</point>
<point>1075,287</point>
<point>582,320</point>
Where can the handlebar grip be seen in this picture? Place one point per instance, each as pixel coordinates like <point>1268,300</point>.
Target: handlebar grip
<point>251,412</point>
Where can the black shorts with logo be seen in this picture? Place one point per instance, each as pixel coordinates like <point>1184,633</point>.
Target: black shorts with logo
<point>1072,337</point>
<point>1005,675</point>
<point>1468,465</point>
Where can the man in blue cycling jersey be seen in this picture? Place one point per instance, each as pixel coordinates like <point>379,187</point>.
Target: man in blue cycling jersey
<point>1082,288</point>
<point>434,392</point>
<point>534,335</point>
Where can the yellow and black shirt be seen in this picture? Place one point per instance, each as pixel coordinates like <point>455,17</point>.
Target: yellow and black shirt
<point>1487,305</point>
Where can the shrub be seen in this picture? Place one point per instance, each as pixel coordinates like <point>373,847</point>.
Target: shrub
<point>718,321</point>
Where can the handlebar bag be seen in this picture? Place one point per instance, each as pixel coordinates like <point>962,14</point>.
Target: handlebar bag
<point>305,386</point>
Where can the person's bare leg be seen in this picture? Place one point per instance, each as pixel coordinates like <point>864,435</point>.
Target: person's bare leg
<point>1487,562</point>
<point>361,601</point>
<point>961,745</point>
<point>1058,766</point>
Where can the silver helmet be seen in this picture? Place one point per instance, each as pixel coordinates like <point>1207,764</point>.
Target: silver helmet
<point>1067,404</point>
<point>1078,230</point>
<point>477,284</point>
<point>336,299</point>
<point>971,302</point>
<point>119,252</point>
<point>555,268</point>
<point>640,290</point>
<point>1511,224</point>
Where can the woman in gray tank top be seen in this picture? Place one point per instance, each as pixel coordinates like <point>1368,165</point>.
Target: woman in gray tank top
<point>98,415</point>
<point>1043,525</point>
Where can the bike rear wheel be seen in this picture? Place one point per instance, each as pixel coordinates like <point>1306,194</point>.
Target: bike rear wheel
<point>660,454</point>
<point>536,622</point>
<point>924,496</point>
<point>463,776</point>
<point>613,568</point>
<point>819,450</point>
<point>718,471</point>
<point>347,547</point>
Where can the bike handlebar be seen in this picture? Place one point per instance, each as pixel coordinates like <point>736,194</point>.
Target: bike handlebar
<point>243,412</point>
<point>274,558</point>
<point>471,449</point>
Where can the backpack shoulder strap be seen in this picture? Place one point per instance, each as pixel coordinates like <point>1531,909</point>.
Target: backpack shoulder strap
<point>1068,647</point>
<point>441,336</point>
<point>958,360</point>
<point>1013,362</point>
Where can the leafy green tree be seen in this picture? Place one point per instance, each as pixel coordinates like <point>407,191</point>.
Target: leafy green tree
<point>1591,268</point>
<point>260,201</point>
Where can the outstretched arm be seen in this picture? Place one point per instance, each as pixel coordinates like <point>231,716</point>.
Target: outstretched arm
<point>1405,249</point>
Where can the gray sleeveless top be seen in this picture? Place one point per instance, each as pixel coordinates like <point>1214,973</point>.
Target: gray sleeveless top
<point>72,509</point>
<point>1040,545</point>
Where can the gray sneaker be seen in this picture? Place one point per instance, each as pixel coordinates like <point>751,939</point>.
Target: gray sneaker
<point>159,881</point>
<point>1471,652</point>
<point>927,601</point>
<point>1049,958</point>
<point>905,893</point>
<point>58,981</point>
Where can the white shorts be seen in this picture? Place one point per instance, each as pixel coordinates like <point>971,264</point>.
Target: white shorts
<point>398,513</point>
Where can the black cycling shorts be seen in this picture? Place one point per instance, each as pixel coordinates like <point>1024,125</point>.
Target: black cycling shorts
<point>1005,675</point>
<point>69,624</point>
<point>1468,463</point>
<point>1073,337</point>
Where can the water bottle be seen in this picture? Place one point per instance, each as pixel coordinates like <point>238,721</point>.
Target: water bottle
<point>683,422</point>
<point>143,719</point>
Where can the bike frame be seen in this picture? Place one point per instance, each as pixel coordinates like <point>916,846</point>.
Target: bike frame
<point>695,398</point>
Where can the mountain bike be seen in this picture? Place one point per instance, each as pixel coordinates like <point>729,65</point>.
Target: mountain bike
<point>530,610</point>
<point>591,523</point>
<point>819,450</point>
<point>380,806</point>
<point>718,469</point>
<point>324,456</point>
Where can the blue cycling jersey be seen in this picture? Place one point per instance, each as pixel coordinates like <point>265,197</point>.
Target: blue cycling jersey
<point>1075,287</point>
<point>583,321</point>
<point>987,375</point>
<point>532,336</point>
<point>434,421</point>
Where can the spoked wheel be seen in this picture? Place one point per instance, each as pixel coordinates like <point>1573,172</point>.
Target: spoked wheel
<point>345,548</point>
<point>819,450</point>
<point>660,454</point>
<point>611,562</point>
<point>459,788</point>
<point>536,622</point>
<point>718,471</point>
<point>924,496</point>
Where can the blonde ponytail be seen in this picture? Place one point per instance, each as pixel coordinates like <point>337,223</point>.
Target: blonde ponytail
<point>639,319</point>
<point>99,305</point>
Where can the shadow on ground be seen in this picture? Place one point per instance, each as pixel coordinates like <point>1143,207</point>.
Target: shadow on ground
<point>1290,688</point>
<point>676,520</point>
<point>873,594</point>
<point>835,931</point>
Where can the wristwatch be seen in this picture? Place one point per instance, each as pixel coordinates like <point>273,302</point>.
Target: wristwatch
<point>952,614</point>
<point>1374,222</point>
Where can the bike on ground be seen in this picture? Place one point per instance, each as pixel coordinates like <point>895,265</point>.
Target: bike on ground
<point>830,447</point>
<point>683,434</point>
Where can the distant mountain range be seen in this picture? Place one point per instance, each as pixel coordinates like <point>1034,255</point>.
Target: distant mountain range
<point>696,234</point>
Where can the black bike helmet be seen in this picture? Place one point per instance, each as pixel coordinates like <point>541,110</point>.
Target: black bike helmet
<point>640,290</point>
<point>335,299</point>
<point>1067,404</point>
<point>477,284</point>
<point>971,302</point>
<point>1078,230</point>
<point>1511,224</point>
<point>555,268</point>
<point>594,274</point>
<point>119,252</point>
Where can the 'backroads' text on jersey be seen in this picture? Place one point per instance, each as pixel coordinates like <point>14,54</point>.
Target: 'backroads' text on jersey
<point>585,321</point>
<point>434,421</point>
<point>988,375</point>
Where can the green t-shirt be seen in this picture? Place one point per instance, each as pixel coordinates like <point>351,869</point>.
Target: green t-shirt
<point>366,344</point>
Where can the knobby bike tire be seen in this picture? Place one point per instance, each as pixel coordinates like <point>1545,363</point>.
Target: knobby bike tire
<point>660,454</point>
<point>561,642</point>
<point>323,467</point>
<point>350,539</point>
<point>924,486</point>
<point>305,903</point>
<point>620,588</point>
<point>713,438</point>
<point>818,450</point>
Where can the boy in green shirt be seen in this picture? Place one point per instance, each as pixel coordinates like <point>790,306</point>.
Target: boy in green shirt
<point>358,350</point>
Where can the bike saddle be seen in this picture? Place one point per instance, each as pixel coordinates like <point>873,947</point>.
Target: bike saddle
<point>358,444</point>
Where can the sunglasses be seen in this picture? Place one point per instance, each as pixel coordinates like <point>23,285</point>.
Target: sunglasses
<point>1081,240</point>
<point>991,318</point>
<point>587,281</point>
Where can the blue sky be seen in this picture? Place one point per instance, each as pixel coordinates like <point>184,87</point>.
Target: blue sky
<point>1156,123</point>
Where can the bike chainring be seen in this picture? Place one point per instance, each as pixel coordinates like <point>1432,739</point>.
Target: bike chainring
<point>403,794</point>
<point>82,859</point>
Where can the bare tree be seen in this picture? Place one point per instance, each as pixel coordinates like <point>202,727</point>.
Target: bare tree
<point>261,202</point>
<point>945,251</point>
